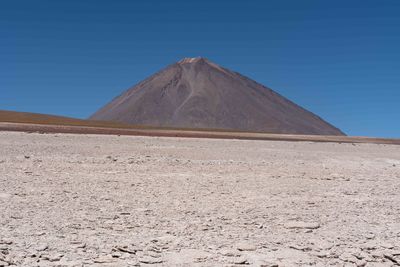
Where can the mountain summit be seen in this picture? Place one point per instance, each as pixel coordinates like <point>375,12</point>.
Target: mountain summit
<point>197,93</point>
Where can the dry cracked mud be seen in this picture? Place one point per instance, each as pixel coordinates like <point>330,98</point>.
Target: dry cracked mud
<point>91,200</point>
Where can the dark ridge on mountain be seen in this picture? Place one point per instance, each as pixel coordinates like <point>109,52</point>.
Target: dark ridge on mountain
<point>197,93</point>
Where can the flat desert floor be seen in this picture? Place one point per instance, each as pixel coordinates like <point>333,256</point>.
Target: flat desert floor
<point>98,200</point>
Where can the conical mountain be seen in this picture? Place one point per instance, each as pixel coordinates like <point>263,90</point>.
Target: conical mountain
<point>196,93</point>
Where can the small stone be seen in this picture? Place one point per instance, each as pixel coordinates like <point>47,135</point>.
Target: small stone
<point>6,241</point>
<point>80,245</point>
<point>153,254</point>
<point>56,257</point>
<point>116,255</point>
<point>391,258</point>
<point>370,236</point>
<point>387,245</point>
<point>229,253</point>
<point>240,260</point>
<point>104,259</point>
<point>301,225</point>
<point>370,245</point>
<point>245,247</point>
<point>41,247</point>
<point>377,254</point>
<point>361,263</point>
<point>269,264</point>
<point>348,257</point>
<point>124,249</point>
<point>150,260</point>
<point>300,247</point>
<point>321,254</point>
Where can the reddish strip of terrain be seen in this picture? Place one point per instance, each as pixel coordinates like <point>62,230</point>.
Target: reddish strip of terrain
<point>42,128</point>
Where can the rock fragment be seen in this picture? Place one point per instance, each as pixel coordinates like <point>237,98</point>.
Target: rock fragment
<point>41,247</point>
<point>5,241</point>
<point>391,258</point>
<point>370,236</point>
<point>229,252</point>
<point>301,225</point>
<point>240,260</point>
<point>56,257</point>
<point>244,246</point>
<point>124,249</point>
<point>150,260</point>
<point>104,259</point>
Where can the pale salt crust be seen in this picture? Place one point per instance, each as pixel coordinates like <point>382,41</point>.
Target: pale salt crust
<point>92,200</point>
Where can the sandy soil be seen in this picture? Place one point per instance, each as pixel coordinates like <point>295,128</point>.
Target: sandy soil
<point>97,200</point>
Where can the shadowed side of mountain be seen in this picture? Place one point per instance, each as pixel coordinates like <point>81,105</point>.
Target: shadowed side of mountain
<point>197,93</point>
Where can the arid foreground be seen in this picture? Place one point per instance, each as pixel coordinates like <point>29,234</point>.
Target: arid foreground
<point>91,200</point>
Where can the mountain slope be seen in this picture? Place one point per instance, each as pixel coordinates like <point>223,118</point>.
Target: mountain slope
<point>196,93</point>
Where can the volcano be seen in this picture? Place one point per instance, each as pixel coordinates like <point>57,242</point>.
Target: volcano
<point>197,93</point>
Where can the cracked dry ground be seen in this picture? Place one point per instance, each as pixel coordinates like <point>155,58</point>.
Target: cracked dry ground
<point>80,200</point>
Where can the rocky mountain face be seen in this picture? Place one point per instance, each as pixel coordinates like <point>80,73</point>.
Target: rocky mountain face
<point>197,93</point>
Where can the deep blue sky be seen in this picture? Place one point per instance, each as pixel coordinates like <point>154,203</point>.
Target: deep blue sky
<point>339,59</point>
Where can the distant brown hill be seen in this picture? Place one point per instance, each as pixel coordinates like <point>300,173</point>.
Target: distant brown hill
<point>196,93</point>
<point>8,116</point>
<point>37,118</point>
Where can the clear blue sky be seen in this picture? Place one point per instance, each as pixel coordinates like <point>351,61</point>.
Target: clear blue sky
<point>339,59</point>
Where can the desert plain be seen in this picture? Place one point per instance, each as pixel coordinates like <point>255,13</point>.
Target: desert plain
<point>108,200</point>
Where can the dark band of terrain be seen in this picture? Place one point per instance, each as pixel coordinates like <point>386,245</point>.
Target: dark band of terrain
<point>40,123</point>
